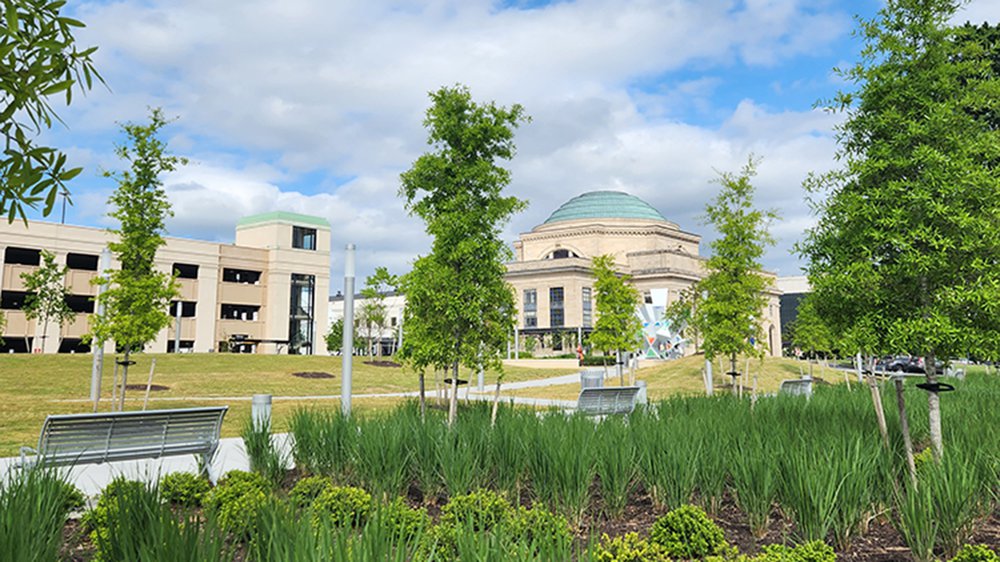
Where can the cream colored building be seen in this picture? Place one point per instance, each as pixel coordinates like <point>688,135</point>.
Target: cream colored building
<point>551,273</point>
<point>266,293</point>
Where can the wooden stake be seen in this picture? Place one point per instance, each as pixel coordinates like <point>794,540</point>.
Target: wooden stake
<point>149,384</point>
<point>904,426</point>
<point>496,403</point>
<point>877,402</point>
<point>114,388</point>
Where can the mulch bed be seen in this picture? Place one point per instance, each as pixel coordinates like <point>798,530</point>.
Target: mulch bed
<point>142,387</point>
<point>383,364</point>
<point>312,375</point>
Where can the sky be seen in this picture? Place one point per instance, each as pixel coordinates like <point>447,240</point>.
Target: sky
<point>316,106</point>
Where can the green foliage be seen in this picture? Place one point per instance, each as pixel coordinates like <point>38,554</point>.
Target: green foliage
<point>628,548</point>
<point>335,337</point>
<point>40,59</point>
<point>33,507</point>
<point>123,504</point>
<point>732,295</point>
<point>138,295</point>
<point>344,505</point>
<point>237,500</point>
<point>184,489</point>
<point>976,553</point>
<point>809,331</point>
<point>482,510</point>
<point>923,459</point>
<point>539,526</point>
<point>617,327</point>
<point>814,551</point>
<point>406,522</point>
<point>308,489</point>
<point>46,300</point>
<point>459,308</point>
<point>265,458</point>
<point>687,532</point>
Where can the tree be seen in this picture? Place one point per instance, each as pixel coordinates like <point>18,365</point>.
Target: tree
<point>809,331</point>
<point>46,300</point>
<point>138,296</point>
<point>39,59</point>
<point>617,327</point>
<point>459,308</point>
<point>908,240</point>
<point>373,311</point>
<point>335,337</point>
<point>732,294</point>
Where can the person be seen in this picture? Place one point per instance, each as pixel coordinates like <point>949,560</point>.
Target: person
<point>579,354</point>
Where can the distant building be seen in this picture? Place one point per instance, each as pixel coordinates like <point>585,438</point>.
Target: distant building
<point>388,337</point>
<point>258,295</point>
<point>793,289</point>
<point>553,282</point>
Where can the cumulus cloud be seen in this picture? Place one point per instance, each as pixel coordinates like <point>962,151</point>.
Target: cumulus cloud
<point>316,107</point>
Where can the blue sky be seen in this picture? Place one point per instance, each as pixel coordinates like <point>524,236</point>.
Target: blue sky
<point>316,106</point>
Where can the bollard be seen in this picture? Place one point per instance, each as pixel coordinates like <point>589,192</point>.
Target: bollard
<point>641,397</point>
<point>260,410</point>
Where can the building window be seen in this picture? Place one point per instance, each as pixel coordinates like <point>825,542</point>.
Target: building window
<point>12,300</point>
<point>186,271</point>
<point>530,308</point>
<point>247,276</point>
<point>22,256</point>
<point>85,262</point>
<point>245,312</point>
<point>587,307</point>
<point>647,297</point>
<point>556,310</point>
<point>303,238</point>
<point>300,317</point>
<point>80,304</point>
<point>187,309</point>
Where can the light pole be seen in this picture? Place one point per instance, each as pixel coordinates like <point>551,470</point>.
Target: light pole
<point>347,349</point>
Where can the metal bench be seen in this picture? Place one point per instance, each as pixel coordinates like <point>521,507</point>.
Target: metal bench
<point>797,387</point>
<point>607,400</point>
<point>117,436</point>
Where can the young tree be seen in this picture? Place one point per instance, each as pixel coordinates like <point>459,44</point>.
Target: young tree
<point>373,311</point>
<point>732,294</point>
<point>460,309</point>
<point>39,59</point>
<point>907,240</point>
<point>335,337</point>
<point>138,296</point>
<point>617,327</point>
<point>809,331</point>
<point>46,300</point>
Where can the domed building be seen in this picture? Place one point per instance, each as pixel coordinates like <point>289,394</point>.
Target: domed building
<point>553,282</point>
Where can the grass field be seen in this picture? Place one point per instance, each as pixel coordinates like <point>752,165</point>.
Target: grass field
<point>34,386</point>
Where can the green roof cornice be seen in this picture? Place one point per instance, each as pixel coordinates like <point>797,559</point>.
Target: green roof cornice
<point>282,217</point>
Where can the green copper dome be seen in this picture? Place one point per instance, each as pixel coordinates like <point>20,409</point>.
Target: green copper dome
<point>605,205</point>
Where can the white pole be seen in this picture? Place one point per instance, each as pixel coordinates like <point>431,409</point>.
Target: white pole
<point>97,366</point>
<point>708,378</point>
<point>177,328</point>
<point>517,343</point>
<point>347,351</point>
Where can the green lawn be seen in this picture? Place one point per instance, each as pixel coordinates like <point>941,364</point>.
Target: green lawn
<point>33,386</point>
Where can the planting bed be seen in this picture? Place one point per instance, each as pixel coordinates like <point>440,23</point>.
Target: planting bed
<point>785,471</point>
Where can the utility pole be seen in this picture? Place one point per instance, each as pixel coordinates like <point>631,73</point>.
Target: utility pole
<point>347,349</point>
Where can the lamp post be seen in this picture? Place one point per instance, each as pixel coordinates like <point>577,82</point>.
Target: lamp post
<point>347,349</point>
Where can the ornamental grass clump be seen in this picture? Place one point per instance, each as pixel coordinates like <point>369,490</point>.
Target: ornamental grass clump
<point>617,459</point>
<point>265,458</point>
<point>33,507</point>
<point>562,466</point>
<point>508,449</point>
<point>324,443</point>
<point>382,464</point>
<point>687,533</point>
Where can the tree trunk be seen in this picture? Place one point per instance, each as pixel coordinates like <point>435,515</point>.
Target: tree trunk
<point>732,369</point>
<point>453,399</point>
<point>114,387</point>
<point>934,408</point>
<point>423,397</point>
<point>904,426</point>
<point>618,367</point>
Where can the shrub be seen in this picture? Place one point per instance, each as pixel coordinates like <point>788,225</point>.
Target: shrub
<point>976,553</point>
<point>183,488</point>
<point>628,548</point>
<point>73,498</point>
<point>923,459</point>
<point>540,527</point>
<point>124,514</point>
<point>813,551</point>
<point>405,521</point>
<point>482,510</point>
<point>308,489</point>
<point>237,500</point>
<point>687,532</point>
<point>345,505</point>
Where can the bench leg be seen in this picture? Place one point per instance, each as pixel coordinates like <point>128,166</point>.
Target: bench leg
<point>206,468</point>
